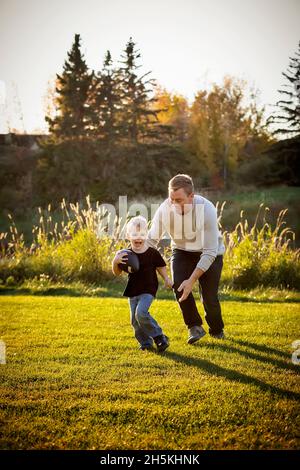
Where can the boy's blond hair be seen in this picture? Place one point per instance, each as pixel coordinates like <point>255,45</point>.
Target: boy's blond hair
<point>138,223</point>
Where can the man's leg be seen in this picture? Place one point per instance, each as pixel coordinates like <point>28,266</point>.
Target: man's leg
<point>183,264</point>
<point>209,283</point>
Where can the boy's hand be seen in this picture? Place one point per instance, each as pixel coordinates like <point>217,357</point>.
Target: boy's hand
<point>168,283</point>
<point>120,257</point>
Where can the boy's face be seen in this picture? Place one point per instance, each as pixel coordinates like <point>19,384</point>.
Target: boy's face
<point>138,239</point>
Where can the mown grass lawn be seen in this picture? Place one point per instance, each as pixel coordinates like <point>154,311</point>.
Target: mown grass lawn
<point>74,378</point>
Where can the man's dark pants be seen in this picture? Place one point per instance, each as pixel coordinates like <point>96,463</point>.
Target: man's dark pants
<point>183,264</point>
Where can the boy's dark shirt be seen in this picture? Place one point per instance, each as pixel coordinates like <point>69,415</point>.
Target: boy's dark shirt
<point>145,281</point>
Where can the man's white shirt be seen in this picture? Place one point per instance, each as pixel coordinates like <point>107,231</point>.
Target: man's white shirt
<point>195,230</point>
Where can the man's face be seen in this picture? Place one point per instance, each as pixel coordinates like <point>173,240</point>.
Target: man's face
<point>179,199</point>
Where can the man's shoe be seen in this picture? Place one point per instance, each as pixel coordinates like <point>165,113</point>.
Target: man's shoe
<point>195,333</point>
<point>162,342</point>
<point>220,335</point>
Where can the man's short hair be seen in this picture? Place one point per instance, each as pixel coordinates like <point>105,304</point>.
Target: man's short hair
<point>182,181</point>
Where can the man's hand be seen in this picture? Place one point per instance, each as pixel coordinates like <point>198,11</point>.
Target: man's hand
<point>187,287</point>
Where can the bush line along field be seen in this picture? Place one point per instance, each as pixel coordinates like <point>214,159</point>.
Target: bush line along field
<point>78,248</point>
<point>276,199</point>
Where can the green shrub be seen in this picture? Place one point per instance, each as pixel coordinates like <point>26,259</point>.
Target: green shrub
<point>10,281</point>
<point>84,257</point>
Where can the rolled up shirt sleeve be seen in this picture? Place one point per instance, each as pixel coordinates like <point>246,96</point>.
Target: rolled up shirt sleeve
<point>210,238</point>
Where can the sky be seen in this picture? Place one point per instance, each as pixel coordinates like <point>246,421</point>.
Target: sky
<point>187,44</point>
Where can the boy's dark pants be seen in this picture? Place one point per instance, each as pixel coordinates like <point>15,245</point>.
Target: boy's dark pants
<point>183,264</point>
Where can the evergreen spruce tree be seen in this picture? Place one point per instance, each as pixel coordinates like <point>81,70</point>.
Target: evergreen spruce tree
<point>288,114</point>
<point>106,101</point>
<point>74,116</point>
<point>138,115</point>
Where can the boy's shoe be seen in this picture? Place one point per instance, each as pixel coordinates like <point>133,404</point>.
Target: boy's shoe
<point>162,342</point>
<point>147,347</point>
<point>195,333</point>
<point>220,335</point>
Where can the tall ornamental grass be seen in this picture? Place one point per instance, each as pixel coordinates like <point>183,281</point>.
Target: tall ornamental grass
<point>78,248</point>
<point>261,254</point>
<point>75,249</point>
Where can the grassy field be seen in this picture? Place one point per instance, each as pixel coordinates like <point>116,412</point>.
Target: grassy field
<point>74,378</point>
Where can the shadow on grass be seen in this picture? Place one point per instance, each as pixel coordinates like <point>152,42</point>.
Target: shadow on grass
<point>229,374</point>
<point>115,289</point>
<point>42,292</point>
<point>63,291</point>
<point>281,364</point>
<point>261,348</point>
<point>248,297</point>
<point>105,291</point>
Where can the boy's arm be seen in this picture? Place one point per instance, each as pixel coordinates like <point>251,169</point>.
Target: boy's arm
<point>115,269</point>
<point>118,259</point>
<point>163,273</point>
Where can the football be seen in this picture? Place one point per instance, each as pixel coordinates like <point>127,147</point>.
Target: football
<point>132,264</point>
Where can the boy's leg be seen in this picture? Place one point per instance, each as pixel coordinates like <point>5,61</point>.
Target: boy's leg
<point>144,340</point>
<point>183,264</point>
<point>209,283</point>
<point>148,325</point>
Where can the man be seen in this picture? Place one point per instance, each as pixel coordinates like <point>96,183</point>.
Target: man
<point>197,253</point>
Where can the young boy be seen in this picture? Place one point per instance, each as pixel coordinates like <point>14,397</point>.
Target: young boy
<point>142,285</point>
